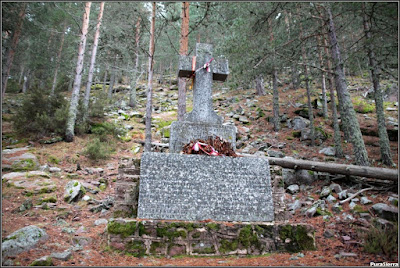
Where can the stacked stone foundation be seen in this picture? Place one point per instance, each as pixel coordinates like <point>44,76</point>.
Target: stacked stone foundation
<point>171,238</point>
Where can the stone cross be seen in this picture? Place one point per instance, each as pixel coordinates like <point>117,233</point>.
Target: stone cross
<point>204,74</point>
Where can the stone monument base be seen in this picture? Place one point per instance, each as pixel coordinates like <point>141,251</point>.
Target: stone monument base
<point>170,238</point>
<point>201,187</point>
<point>182,132</point>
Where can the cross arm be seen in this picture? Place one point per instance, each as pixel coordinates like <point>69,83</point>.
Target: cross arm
<point>185,66</point>
<point>220,69</point>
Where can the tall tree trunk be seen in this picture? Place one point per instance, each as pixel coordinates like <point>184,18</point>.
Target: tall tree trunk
<point>11,50</point>
<point>375,71</point>
<point>112,79</point>
<point>21,76</point>
<point>260,89</point>
<point>132,91</point>
<point>183,49</point>
<point>92,62</point>
<point>306,77</point>
<point>53,87</point>
<point>147,144</point>
<point>361,155</point>
<point>277,120</point>
<point>336,134</point>
<point>25,84</point>
<point>69,134</point>
<point>105,78</point>
<point>323,82</point>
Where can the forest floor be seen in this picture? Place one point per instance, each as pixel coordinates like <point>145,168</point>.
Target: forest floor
<point>66,223</point>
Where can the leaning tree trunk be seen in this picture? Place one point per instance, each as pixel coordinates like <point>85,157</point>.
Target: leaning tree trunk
<point>69,134</point>
<point>323,84</point>
<point>92,61</point>
<point>53,87</point>
<point>375,72</point>
<point>260,89</point>
<point>147,144</point>
<point>183,49</point>
<point>132,91</point>
<point>11,50</point>
<point>361,155</point>
<point>336,134</point>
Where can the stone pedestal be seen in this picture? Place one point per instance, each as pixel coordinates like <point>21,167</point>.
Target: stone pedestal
<point>182,132</point>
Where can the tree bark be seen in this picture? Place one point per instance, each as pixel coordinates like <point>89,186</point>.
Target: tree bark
<point>277,120</point>
<point>147,145</point>
<point>361,155</point>
<point>11,50</point>
<point>260,89</point>
<point>53,87</point>
<point>323,82</point>
<point>375,75</point>
<point>92,62</point>
<point>112,79</point>
<point>310,109</point>
<point>336,134</point>
<point>183,49</point>
<point>132,91</point>
<point>352,170</point>
<point>25,84</point>
<point>69,134</point>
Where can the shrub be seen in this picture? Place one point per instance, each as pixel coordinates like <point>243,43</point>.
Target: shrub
<point>382,239</point>
<point>41,114</point>
<point>96,107</point>
<point>97,150</point>
<point>362,106</point>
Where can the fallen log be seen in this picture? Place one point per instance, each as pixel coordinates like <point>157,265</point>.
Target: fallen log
<point>352,170</point>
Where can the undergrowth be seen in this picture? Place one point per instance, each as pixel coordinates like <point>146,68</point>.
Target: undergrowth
<point>382,239</point>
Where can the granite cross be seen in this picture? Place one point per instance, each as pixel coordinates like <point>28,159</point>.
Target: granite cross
<point>204,69</point>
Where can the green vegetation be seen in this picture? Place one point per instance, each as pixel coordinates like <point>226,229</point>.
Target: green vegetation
<point>41,114</point>
<point>24,165</point>
<point>97,150</point>
<point>227,246</point>
<point>46,262</point>
<point>53,159</point>
<point>123,229</point>
<point>136,248</point>
<point>171,234</point>
<point>362,106</point>
<point>247,237</point>
<point>212,226</point>
<point>382,239</point>
<point>299,238</point>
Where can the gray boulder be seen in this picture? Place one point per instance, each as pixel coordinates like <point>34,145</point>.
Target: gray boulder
<point>342,195</point>
<point>329,151</point>
<point>273,153</point>
<point>294,188</point>
<point>335,187</point>
<point>295,205</point>
<point>300,123</point>
<point>64,256</point>
<point>300,176</point>
<point>325,192</point>
<point>73,191</point>
<point>365,200</point>
<point>385,211</point>
<point>331,199</point>
<point>19,159</point>
<point>22,240</point>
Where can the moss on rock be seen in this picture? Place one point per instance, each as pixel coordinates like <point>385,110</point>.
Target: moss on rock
<point>123,229</point>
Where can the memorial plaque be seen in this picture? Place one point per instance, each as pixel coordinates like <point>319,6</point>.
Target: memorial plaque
<point>199,187</point>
